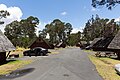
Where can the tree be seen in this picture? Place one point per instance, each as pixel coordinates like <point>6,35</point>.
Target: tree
<point>3,14</point>
<point>74,38</point>
<point>28,29</point>
<point>21,33</point>
<point>96,27</point>
<point>68,30</point>
<point>13,32</point>
<point>58,31</point>
<point>42,33</point>
<point>109,3</point>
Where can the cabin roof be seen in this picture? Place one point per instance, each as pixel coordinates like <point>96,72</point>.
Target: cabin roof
<point>103,43</point>
<point>115,43</point>
<point>95,41</point>
<point>38,41</point>
<point>5,44</point>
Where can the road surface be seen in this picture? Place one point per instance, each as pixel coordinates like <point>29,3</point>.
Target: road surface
<point>69,64</point>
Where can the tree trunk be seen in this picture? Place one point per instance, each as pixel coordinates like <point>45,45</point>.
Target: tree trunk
<point>2,57</point>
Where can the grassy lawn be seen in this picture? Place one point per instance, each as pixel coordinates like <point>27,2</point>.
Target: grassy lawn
<point>13,65</point>
<point>105,67</point>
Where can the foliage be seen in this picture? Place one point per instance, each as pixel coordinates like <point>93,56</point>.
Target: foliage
<point>97,27</point>
<point>3,14</point>
<point>57,30</point>
<point>109,3</point>
<point>74,39</point>
<point>22,32</point>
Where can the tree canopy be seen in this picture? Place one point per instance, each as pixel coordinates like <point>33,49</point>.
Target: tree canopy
<point>22,32</point>
<point>97,27</point>
<point>3,14</point>
<point>57,30</point>
<point>109,3</point>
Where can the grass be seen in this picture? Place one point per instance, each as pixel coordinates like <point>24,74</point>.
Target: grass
<point>19,50</point>
<point>54,52</point>
<point>105,67</point>
<point>13,65</point>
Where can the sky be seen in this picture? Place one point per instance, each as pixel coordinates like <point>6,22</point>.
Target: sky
<point>76,12</point>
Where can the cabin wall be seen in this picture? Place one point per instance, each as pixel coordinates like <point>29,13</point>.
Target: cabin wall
<point>2,57</point>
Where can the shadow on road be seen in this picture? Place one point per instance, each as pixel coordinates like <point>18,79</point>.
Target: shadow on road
<point>17,73</point>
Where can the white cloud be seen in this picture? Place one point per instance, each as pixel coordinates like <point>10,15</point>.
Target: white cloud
<point>94,9</point>
<point>15,14</point>
<point>64,13</point>
<point>41,26</point>
<point>75,30</point>
<point>117,19</point>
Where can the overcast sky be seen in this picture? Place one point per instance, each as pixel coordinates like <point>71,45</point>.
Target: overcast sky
<point>76,12</point>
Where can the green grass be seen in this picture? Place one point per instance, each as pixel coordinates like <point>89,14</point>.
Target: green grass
<point>105,67</point>
<point>13,65</point>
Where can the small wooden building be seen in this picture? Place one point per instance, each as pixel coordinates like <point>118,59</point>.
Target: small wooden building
<point>102,44</point>
<point>94,42</point>
<point>5,46</point>
<point>40,42</point>
<point>115,44</point>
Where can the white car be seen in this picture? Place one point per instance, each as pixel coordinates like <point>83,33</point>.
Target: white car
<point>117,68</point>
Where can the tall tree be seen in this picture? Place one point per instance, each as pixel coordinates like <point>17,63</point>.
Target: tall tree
<point>58,31</point>
<point>42,33</point>
<point>96,27</point>
<point>12,31</point>
<point>74,38</point>
<point>21,33</point>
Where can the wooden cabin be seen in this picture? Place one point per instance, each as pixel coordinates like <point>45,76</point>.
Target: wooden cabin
<point>5,46</point>
<point>83,44</point>
<point>102,44</point>
<point>94,42</point>
<point>40,42</point>
<point>115,44</point>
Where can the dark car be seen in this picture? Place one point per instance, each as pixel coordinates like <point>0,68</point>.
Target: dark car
<point>37,51</point>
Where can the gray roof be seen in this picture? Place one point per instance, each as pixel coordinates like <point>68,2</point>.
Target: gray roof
<point>95,41</point>
<point>115,43</point>
<point>5,44</point>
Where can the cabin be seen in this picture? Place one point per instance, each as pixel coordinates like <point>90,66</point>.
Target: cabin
<point>83,44</point>
<point>92,43</point>
<point>5,46</point>
<point>40,42</point>
<point>102,44</point>
<point>115,44</point>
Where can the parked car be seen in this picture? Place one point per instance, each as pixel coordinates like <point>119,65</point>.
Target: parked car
<point>37,51</point>
<point>117,68</point>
